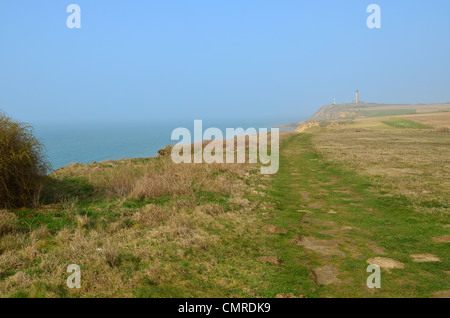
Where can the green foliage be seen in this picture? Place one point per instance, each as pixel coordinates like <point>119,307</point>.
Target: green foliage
<point>22,164</point>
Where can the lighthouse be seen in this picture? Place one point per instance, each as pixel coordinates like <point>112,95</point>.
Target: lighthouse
<point>357,97</point>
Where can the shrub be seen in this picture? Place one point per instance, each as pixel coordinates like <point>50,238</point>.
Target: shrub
<point>165,152</point>
<point>22,164</point>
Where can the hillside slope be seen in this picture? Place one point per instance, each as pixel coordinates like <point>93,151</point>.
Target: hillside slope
<point>351,110</point>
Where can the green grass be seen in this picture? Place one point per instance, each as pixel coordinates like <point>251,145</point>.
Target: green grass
<point>391,112</point>
<point>217,256</point>
<point>390,222</point>
<point>406,123</point>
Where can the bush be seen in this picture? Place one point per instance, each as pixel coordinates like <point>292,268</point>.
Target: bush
<point>22,164</point>
<point>165,152</point>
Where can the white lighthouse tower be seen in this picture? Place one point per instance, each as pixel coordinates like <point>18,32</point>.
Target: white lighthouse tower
<point>357,97</point>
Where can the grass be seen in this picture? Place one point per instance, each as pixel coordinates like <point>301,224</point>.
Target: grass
<point>139,228</point>
<point>388,112</point>
<point>406,123</point>
<point>309,187</point>
<point>150,228</point>
<point>409,163</point>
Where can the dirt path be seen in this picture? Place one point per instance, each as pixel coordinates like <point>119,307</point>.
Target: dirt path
<point>330,225</point>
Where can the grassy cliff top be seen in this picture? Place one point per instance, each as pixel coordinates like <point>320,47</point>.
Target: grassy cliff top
<point>361,110</point>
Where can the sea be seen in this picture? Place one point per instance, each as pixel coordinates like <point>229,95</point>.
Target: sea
<point>96,142</point>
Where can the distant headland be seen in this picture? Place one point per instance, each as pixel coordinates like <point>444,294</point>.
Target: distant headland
<point>360,109</point>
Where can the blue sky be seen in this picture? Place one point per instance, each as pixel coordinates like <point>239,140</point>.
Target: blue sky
<point>156,60</point>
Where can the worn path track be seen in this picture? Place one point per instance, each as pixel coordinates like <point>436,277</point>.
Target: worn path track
<point>330,224</point>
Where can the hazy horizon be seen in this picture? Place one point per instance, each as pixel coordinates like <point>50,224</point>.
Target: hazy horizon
<point>136,62</point>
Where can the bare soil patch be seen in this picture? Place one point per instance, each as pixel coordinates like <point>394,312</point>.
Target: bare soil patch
<point>386,263</point>
<point>317,205</point>
<point>326,275</point>
<point>323,247</point>
<point>442,239</point>
<point>423,258</point>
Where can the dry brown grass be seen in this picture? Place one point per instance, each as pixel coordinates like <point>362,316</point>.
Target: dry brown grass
<point>120,244</point>
<point>414,163</point>
<point>155,177</point>
<point>102,254</point>
<point>151,215</point>
<point>6,222</point>
<point>442,130</point>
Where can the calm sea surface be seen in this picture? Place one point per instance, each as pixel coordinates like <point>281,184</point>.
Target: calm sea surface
<point>86,143</point>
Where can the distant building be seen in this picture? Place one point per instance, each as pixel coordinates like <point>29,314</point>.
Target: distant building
<point>357,101</point>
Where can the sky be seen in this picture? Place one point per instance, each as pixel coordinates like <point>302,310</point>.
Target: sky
<point>178,59</point>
